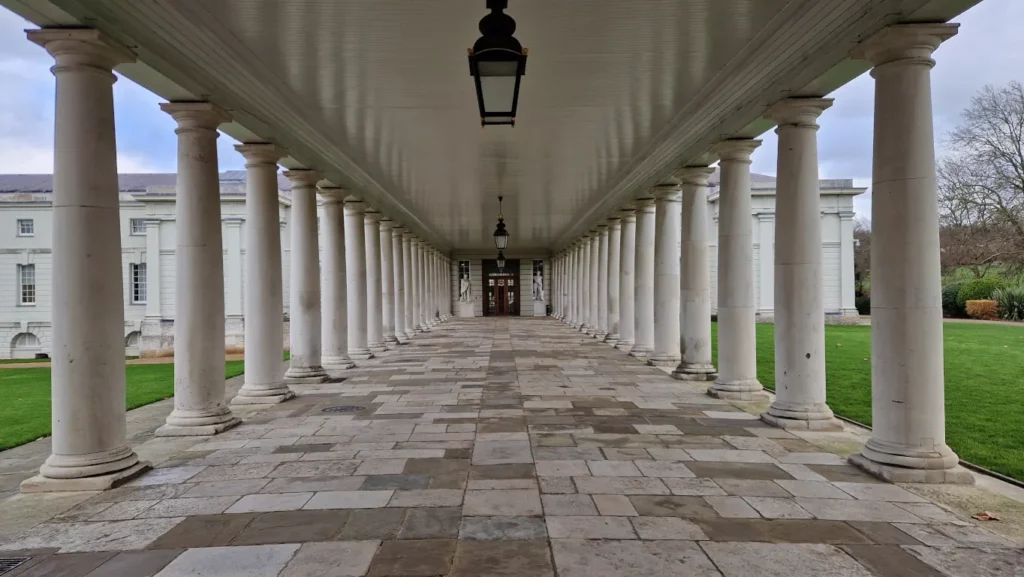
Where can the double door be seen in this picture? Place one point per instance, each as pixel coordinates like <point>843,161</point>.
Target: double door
<point>502,300</point>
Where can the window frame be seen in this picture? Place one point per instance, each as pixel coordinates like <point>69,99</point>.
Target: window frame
<point>131,227</point>
<point>138,282</point>
<point>21,270</point>
<point>32,224</point>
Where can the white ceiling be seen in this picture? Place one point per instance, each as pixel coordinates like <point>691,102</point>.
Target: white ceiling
<point>377,93</point>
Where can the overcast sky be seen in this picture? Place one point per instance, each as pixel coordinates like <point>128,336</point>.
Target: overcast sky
<point>986,51</point>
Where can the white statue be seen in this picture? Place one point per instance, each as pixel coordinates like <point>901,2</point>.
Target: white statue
<point>538,286</point>
<point>465,289</point>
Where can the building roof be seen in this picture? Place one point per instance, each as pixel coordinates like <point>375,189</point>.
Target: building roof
<point>141,182</point>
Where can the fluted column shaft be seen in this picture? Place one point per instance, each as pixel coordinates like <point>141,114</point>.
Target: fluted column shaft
<point>585,320</point>
<point>417,286</point>
<point>355,264</point>
<point>594,283</point>
<point>387,272</point>
<point>666,276</point>
<point>334,325</point>
<point>695,279</point>
<point>643,295</point>
<point>614,252</point>
<point>737,336</point>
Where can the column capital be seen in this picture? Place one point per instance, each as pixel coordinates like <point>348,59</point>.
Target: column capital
<point>738,150</point>
<point>628,214</point>
<point>408,235</point>
<point>77,47</point>
<point>195,115</point>
<point>799,112</point>
<point>302,177</point>
<point>257,153</point>
<point>396,228</point>
<point>695,175</point>
<point>614,222</point>
<point>645,204</point>
<point>386,224</point>
<point>330,192</point>
<point>353,205</point>
<point>602,229</point>
<point>371,215</point>
<point>905,43</point>
<point>666,192</point>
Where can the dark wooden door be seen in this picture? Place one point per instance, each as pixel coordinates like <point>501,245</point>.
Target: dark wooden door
<point>501,289</point>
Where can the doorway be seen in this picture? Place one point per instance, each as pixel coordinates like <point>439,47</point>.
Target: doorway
<point>501,288</point>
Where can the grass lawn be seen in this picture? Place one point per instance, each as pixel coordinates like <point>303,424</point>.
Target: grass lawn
<point>25,409</point>
<point>984,386</point>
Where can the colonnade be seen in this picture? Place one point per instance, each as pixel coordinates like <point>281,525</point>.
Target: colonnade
<point>663,305</point>
<point>626,281</point>
<point>362,300</point>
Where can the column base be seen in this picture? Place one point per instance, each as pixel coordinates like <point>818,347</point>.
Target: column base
<point>611,338</point>
<point>695,372</point>
<point>640,351</point>
<point>377,348</point>
<point>197,423</point>
<point>747,390</point>
<point>807,421</point>
<point>337,363</point>
<point>600,335</point>
<point>360,354</point>
<point>410,333</point>
<point>390,340</point>
<point>624,346</point>
<point>662,361</point>
<point>306,375</point>
<point>263,395</point>
<point>956,475</point>
<point>43,484</point>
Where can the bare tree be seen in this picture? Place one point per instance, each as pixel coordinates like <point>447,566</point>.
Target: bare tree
<point>981,183</point>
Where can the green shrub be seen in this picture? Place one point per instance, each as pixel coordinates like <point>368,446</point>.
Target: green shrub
<point>1011,302</point>
<point>950,307</point>
<point>863,305</point>
<point>977,290</point>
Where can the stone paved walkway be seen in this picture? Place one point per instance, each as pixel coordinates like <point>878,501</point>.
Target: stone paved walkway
<point>502,447</point>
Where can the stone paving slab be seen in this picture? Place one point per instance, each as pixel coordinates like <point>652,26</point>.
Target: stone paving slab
<point>493,447</point>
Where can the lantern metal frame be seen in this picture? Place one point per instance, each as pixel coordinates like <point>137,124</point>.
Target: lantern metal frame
<point>500,233</point>
<point>495,47</point>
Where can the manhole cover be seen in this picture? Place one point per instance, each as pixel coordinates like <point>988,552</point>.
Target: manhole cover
<point>344,409</point>
<point>8,564</point>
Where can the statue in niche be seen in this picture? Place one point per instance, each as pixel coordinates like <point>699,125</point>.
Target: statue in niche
<point>538,286</point>
<point>465,289</point>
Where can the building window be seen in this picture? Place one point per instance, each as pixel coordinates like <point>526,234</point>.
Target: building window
<point>26,227</point>
<point>138,226</point>
<point>27,284</point>
<point>138,272</point>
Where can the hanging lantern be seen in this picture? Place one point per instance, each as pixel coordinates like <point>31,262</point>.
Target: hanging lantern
<point>497,62</point>
<point>500,234</point>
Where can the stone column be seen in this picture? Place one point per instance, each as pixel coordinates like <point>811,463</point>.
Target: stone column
<point>154,309</point>
<point>571,318</point>
<point>908,438</point>
<point>398,276</point>
<point>614,252</point>
<point>602,283</point>
<point>355,265</point>
<point>409,282</point>
<point>199,407</point>
<point>90,450</point>
<point>766,284</point>
<point>387,272</point>
<point>737,337</point>
<point>695,279</point>
<point>429,286</point>
<point>643,286</point>
<point>800,310</point>
<point>264,300</point>
<point>584,288</point>
<point>594,283</point>
<point>334,331</point>
<point>667,230</point>
<point>374,284</point>
<point>627,280</point>
<point>305,309</point>
<point>417,287</point>
<point>847,272</point>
